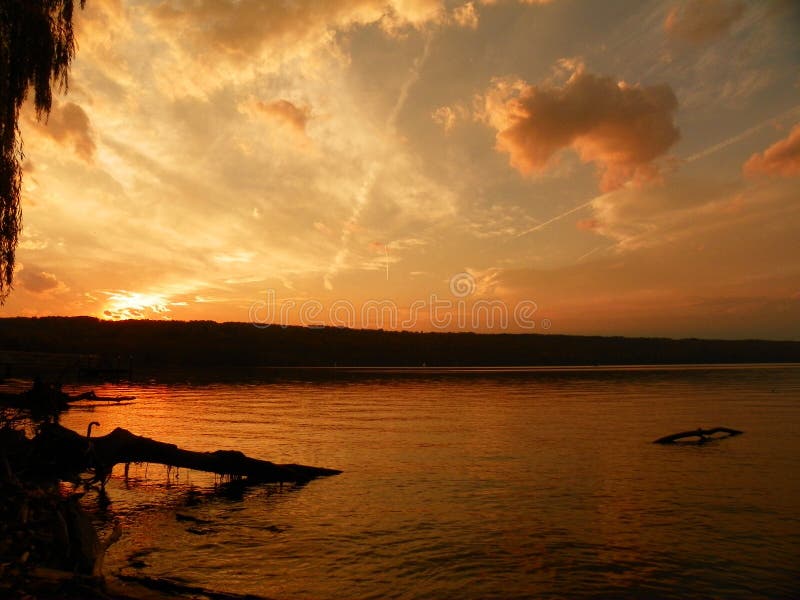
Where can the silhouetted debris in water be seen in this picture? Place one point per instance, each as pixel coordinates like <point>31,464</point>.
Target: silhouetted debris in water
<point>46,400</point>
<point>702,435</point>
<point>75,453</point>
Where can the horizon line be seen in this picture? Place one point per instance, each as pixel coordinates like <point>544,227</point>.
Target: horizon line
<point>542,332</point>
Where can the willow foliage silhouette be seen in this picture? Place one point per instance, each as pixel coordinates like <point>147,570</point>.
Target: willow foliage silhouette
<point>37,46</point>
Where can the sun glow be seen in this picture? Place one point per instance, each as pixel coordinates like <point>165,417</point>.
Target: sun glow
<point>122,305</point>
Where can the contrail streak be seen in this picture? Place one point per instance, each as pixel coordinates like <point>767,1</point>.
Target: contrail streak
<point>592,251</point>
<point>739,137</point>
<point>365,192</point>
<point>556,218</point>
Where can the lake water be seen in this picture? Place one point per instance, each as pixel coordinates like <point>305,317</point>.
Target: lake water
<point>483,485</point>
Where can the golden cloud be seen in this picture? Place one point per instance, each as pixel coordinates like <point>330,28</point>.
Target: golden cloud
<point>781,159</point>
<point>619,127</point>
<point>245,27</point>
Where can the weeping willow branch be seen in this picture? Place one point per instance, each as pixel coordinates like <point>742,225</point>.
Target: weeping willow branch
<point>37,46</point>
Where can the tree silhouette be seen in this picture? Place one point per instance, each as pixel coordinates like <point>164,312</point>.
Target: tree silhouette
<point>36,48</point>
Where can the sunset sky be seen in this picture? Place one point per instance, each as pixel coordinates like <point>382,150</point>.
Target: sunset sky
<point>631,167</point>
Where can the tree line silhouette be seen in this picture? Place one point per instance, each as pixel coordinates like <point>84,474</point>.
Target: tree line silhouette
<point>205,344</point>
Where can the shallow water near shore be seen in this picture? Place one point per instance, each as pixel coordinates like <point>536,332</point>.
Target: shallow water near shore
<point>513,485</point>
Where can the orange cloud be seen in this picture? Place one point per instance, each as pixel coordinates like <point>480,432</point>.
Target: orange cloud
<point>38,282</point>
<point>699,21</point>
<point>621,128</point>
<point>68,124</point>
<point>296,117</point>
<point>782,158</point>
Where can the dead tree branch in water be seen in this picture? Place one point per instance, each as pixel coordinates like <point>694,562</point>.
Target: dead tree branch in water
<point>76,453</point>
<point>703,435</point>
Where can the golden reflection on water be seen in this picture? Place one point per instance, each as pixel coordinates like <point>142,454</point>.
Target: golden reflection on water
<point>544,484</point>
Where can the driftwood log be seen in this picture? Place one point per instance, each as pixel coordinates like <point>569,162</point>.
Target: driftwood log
<point>70,451</point>
<point>702,435</point>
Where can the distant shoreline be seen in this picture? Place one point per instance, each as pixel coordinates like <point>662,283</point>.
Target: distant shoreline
<point>542,368</point>
<point>232,375</point>
<point>86,348</point>
<point>354,373</point>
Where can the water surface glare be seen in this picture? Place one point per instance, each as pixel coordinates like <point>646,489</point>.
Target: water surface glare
<point>541,484</point>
